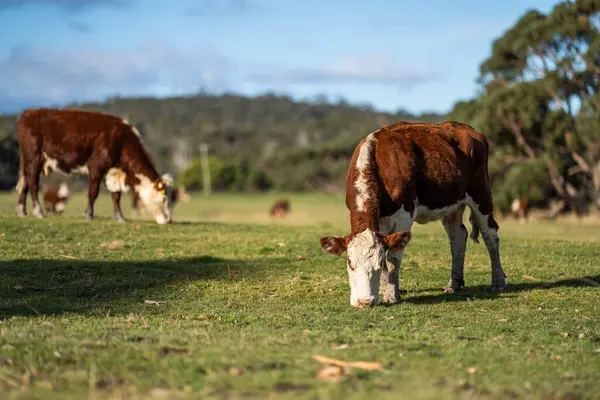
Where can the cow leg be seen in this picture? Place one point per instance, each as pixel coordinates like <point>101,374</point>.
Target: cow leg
<point>116,198</point>
<point>32,178</point>
<point>22,200</point>
<point>94,181</point>
<point>522,215</point>
<point>389,281</point>
<point>489,230</point>
<point>135,203</point>
<point>22,187</point>
<point>457,234</point>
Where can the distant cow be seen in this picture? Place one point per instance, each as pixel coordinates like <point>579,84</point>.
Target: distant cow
<point>177,194</point>
<point>414,172</point>
<point>280,208</point>
<point>55,199</point>
<point>100,145</point>
<point>520,209</point>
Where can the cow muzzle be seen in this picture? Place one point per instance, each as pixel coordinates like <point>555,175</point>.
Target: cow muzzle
<point>365,303</point>
<point>162,220</point>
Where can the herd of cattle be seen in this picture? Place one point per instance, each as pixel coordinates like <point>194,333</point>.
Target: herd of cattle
<point>398,175</point>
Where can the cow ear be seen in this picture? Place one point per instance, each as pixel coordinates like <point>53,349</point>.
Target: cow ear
<point>335,245</point>
<point>167,179</point>
<point>397,241</point>
<point>160,187</point>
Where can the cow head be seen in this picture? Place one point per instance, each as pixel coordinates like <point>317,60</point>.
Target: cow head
<point>366,258</point>
<point>157,197</point>
<point>170,194</point>
<point>63,191</point>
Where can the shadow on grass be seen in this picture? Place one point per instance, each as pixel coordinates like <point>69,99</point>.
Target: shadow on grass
<point>484,292</point>
<point>47,287</point>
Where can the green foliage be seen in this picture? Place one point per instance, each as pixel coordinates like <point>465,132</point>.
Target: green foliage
<point>539,103</point>
<point>529,181</point>
<point>9,153</point>
<point>225,175</point>
<point>9,161</point>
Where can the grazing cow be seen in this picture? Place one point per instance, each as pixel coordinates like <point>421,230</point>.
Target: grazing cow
<point>177,194</point>
<point>55,199</point>
<point>100,145</point>
<point>520,209</point>
<point>414,172</point>
<point>280,208</point>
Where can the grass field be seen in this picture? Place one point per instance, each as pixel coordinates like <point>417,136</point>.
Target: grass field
<point>226,303</point>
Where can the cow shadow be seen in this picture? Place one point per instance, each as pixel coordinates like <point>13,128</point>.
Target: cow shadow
<point>36,287</point>
<point>483,291</point>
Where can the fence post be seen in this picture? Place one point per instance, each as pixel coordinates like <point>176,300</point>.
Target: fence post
<point>206,183</point>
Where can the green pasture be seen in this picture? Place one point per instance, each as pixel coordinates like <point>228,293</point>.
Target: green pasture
<point>226,302</point>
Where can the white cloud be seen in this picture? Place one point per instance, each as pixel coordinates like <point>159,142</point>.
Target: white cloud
<point>37,76</point>
<point>374,70</point>
<point>34,76</point>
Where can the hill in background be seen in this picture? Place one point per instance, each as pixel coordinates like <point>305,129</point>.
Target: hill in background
<point>264,142</point>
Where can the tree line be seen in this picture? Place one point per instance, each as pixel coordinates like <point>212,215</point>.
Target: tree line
<point>538,103</point>
<point>268,142</point>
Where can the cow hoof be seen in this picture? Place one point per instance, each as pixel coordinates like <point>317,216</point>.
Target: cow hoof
<point>454,286</point>
<point>88,217</point>
<point>38,213</point>
<point>390,299</point>
<point>390,295</point>
<point>498,286</point>
<point>21,211</point>
<point>119,218</point>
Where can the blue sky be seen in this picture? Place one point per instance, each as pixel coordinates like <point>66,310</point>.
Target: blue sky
<point>394,54</point>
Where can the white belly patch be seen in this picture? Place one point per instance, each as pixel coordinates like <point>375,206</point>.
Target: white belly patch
<point>403,220</point>
<point>51,164</point>
<point>426,215</point>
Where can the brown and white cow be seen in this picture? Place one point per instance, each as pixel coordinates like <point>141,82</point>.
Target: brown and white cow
<point>55,199</point>
<point>520,209</point>
<point>100,145</point>
<point>414,172</point>
<point>280,208</point>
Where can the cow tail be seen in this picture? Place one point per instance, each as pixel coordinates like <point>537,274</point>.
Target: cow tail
<point>474,228</point>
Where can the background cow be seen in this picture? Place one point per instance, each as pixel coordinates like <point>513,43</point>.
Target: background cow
<point>280,208</point>
<point>92,143</point>
<point>414,172</point>
<point>520,209</point>
<point>55,199</point>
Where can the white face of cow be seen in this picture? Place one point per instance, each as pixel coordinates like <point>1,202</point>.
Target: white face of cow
<point>156,197</point>
<point>366,259</point>
<point>365,262</point>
